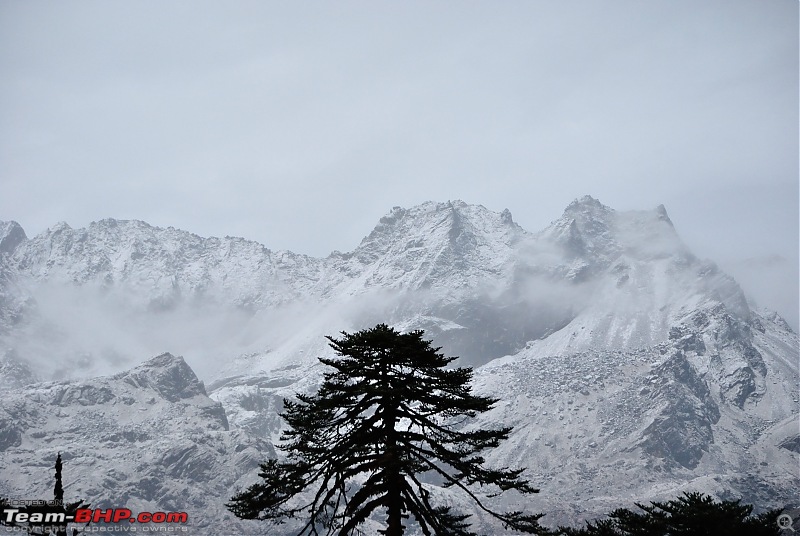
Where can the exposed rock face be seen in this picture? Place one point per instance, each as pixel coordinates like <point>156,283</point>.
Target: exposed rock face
<point>791,443</point>
<point>11,235</point>
<point>169,377</point>
<point>682,430</point>
<point>10,435</point>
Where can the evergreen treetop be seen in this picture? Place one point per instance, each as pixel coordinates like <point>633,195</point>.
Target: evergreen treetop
<point>691,514</point>
<point>386,419</point>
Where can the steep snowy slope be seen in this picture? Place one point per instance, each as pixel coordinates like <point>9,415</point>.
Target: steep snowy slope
<point>714,409</point>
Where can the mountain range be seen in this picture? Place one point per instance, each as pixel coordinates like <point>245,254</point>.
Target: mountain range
<point>630,369</point>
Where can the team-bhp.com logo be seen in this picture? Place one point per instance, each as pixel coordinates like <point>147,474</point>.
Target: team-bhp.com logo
<point>148,521</point>
<point>118,515</point>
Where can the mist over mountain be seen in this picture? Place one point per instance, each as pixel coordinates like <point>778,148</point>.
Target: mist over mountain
<point>629,367</point>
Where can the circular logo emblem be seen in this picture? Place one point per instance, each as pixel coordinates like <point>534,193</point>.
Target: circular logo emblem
<point>785,521</point>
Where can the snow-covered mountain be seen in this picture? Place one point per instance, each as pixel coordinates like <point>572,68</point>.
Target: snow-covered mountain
<point>630,368</point>
<point>148,439</point>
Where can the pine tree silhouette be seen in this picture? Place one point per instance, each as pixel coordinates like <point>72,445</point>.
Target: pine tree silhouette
<point>40,523</point>
<point>692,514</point>
<point>387,417</point>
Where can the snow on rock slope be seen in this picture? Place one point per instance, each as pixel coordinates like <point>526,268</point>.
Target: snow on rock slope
<point>701,411</point>
<point>472,278</point>
<point>640,278</point>
<point>630,368</point>
<point>164,266</point>
<point>148,439</point>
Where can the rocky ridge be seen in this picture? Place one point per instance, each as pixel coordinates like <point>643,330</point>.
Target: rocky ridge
<point>628,367</point>
<point>149,439</point>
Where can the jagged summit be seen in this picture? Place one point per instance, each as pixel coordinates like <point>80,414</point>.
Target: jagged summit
<point>11,235</point>
<point>591,230</point>
<point>456,216</point>
<point>595,276</point>
<point>114,246</point>
<point>163,266</point>
<point>437,244</point>
<point>587,204</point>
<point>166,374</point>
<point>661,210</point>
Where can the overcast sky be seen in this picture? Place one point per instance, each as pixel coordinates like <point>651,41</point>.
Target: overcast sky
<point>299,124</point>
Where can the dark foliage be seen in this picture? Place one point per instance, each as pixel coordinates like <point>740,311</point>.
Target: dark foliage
<point>692,514</point>
<point>385,420</point>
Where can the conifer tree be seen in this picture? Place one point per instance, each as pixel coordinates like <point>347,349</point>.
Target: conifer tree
<point>691,514</point>
<point>385,420</point>
<point>37,513</point>
<point>58,488</point>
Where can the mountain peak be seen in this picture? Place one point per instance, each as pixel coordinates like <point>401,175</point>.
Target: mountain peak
<point>59,227</point>
<point>431,216</point>
<point>586,202</point>
<point>11,235</point>
<point>661,212</point>
<point>586,209</point>
<point>111,223</point>
<point>436,244</point>
<point>166,374</point>
<point>593,230</point>
<point>592,216</point>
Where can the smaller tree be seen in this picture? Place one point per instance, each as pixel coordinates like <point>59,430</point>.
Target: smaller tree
<point>692,514</point>
<point>38,520</point>
<point>386,418</point>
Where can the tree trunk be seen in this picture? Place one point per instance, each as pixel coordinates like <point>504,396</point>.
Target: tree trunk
<point>394,502</point>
